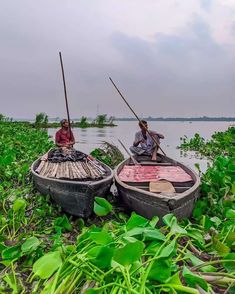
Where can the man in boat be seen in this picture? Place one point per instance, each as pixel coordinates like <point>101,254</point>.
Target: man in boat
<point>64,137</point>
<point>144,143</point>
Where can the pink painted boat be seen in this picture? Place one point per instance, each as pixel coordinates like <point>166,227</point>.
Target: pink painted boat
<point>157,188</point>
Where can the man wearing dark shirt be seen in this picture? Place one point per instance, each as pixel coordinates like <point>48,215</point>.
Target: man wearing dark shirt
<point>64,137</point>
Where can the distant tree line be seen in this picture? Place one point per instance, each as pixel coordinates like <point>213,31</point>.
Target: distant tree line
<point>203,118</point>
<point>102,120</point>
<point>42,121</point>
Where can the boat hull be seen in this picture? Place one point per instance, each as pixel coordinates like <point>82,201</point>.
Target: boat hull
<point>74,197</point>
<point>150,204</point>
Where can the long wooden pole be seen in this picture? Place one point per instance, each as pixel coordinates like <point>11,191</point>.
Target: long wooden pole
<point>132,158</point>
<point>136,115</point>
<point>65,94</point>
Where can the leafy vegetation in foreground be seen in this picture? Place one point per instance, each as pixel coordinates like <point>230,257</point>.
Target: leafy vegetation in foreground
<point>44,251</point>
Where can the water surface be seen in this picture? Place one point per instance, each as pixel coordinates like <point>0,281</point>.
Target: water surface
<point>90,138</point>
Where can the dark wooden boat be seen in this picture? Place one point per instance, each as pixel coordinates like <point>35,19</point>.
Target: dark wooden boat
<point>75,197</point>
<point>137,196</point>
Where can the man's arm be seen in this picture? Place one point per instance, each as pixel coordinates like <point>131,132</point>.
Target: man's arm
<point>57,139</point>
<point>160,136</point>
<point>138,140</point>
<point>72,140</point>
<point>153,133</point>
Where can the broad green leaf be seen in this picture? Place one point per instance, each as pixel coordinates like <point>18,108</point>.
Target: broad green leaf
<point>193,279</point>
<point>171,221</point>
<point>25,168</point>
<point>134,232</point>
<point>153,222</point>
<point>169,250</point>
<point>127,239</point>
<point>2,247</point>
<point>30,244</point>
<point>102,207</point>
<point>11,253</point>
<point>230,213</point>
<point>45,266</point>
<point>168,219</point>
<point>217,221</point>
<point>199,209</point>
<point>101,238</point>
<point>101,256</point>
<point>231,239</point>
<point>175,279</point>
<point>195,234</point>
<point>153,247</point>
<point>91,291</point>
<point>233,188</point>
<point>219,247</point>
<point>161,270</point>
<point>8,159</point>
<point>145,233</point>
<point>19,204</point>
<point>80,223</point>
<point>153,234</point>
<point>129,253</point>
<point>136,221</point>
<point>230,266</point>
<point>196,261</point>
<point>104,257</point>
<point>93,252</point>
<point>63,223</point>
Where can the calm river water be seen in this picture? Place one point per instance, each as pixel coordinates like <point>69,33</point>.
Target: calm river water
<point>91,138</point>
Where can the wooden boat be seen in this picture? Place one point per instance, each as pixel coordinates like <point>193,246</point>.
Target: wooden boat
<point>74,196</point>
<point>137,196</point>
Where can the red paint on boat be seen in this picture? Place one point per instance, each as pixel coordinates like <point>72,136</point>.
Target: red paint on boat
<point>153,173</point>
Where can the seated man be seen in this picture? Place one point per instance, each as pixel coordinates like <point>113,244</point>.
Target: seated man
<point>146,142</point>
<point>64,137</point>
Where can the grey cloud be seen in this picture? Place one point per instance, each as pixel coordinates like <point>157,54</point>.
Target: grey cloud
<point>174,74</point>
<point>233,28</point>
<point>206,4</point>
<point>190,67</point>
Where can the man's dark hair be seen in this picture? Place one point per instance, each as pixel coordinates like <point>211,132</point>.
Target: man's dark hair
<point>141,122</point>
<point>63,121</point>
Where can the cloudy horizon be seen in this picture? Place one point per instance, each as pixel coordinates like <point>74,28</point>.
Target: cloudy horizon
<point>168,58</point>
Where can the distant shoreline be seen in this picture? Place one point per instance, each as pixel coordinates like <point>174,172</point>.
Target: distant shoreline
<point>190,119</point>
<point>204,118</point>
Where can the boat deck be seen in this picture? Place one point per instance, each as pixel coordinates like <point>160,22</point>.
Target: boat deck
<point>147,198</point>
<point>145,161</point>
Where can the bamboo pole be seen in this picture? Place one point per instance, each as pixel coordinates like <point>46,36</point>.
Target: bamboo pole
<point>154,139</point>
<point>132,158</point>
<point>65,94</point>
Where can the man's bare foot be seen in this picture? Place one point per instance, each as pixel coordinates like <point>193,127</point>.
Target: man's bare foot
<point>154,157</point>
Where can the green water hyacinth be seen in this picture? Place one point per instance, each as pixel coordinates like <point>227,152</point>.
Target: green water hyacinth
<point>101,206</point>
<point>47,265</point>
<point>44,251</point>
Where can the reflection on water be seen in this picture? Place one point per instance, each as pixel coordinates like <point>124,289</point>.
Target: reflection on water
<point>91,138</point>
<point>101,133</point>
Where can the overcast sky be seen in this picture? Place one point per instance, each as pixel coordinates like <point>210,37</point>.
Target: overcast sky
<point>168,57</point>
